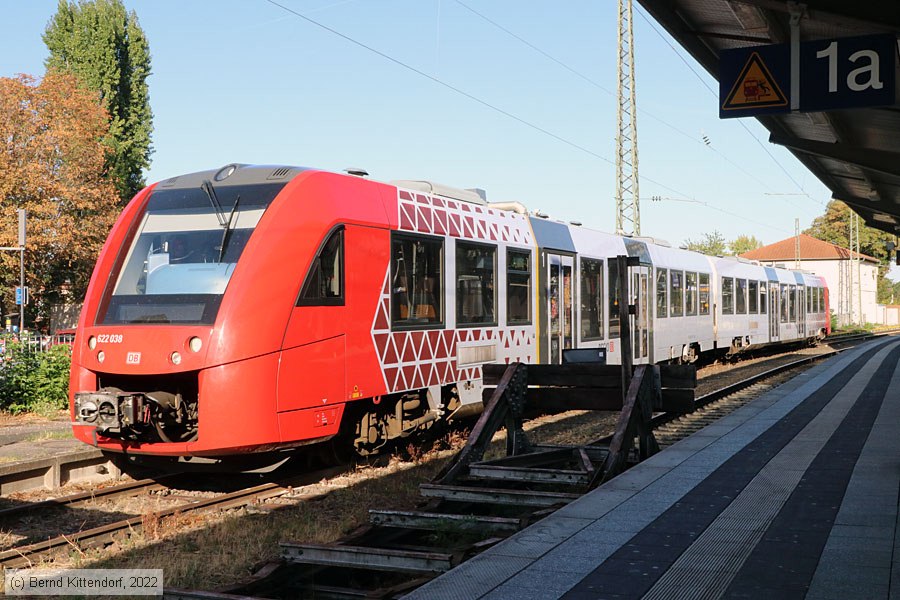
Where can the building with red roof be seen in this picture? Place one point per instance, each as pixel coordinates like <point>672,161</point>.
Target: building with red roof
<point>852,277</point>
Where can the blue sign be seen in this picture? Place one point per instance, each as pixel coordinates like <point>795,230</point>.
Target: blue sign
<point>833,74</point>
<point>18,296</point>
<point>848,72</point>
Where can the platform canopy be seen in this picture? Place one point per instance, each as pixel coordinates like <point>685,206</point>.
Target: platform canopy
<point>855,152</point>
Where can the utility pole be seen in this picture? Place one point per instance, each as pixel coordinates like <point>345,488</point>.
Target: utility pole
<point>797,244</point>
<point>21,296</point>
<point>628,210</point>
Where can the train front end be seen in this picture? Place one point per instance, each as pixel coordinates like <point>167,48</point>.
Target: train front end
<point>155,333</point>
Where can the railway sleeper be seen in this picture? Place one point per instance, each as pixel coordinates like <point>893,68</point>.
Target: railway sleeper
<point>445,521</point>
<point>363,557</point>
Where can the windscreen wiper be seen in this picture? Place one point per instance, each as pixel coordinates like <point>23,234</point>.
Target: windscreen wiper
<point>223,243</point>
<point>207,187</point>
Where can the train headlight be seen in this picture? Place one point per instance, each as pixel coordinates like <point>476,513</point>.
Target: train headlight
<point>195,344</point>
<point>176,358</point>
<point>101,356</point>
<point>92,342</point>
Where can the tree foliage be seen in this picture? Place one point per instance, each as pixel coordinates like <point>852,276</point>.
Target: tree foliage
<point>104,45</point>
<point>834,227</point>
<point>712,244</point>
<point>52,165</point>
<point>744,243</point>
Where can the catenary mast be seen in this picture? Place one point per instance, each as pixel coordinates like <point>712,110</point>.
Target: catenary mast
<point>628,210</point>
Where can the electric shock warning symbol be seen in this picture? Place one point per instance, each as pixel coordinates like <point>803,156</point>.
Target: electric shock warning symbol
<point>754,88</point>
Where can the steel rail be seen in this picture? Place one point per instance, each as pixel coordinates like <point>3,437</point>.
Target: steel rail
<point>125,489</point>
<point>24,556</point>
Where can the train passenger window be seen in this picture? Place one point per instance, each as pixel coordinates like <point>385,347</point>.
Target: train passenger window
<point>518,287</point>
<point>324,285</point>
<point>810,300</point>
<point>821,296</point>
<point>762,297</point>
<point>591,299</point>
<point>740,296</point>
<point>704,293</point>
<point>417,265</point>
<point>476,298</point>
<point>785,303</point>
<point>662,289</point>
<point>753,296</point>
<point>727,296</point>
<point>794,303</point>
<point>613,285</point>
<point>690,294</point>
<point>676,293</point>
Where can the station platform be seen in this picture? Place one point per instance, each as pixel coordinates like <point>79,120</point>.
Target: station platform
<point>795,495</point>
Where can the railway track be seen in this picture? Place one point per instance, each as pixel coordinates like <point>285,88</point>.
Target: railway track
<point>96,537</point>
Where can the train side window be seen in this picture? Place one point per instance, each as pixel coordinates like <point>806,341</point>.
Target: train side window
<point>727,296</point>
<point>740,296</point>
<point>821,297</point>
<point>417,265</point>
<point>753,296</point>
<point>662,289</point>
<point>762,297</point>
<point>476,297</point>
<point>676,293</point>
<point>518,287</point>
<point>690,294</point>
<point>810,300</point>
<point>704,293</point>
<point>785,303</point>
<point>591,299</point>
<point>324,285</point>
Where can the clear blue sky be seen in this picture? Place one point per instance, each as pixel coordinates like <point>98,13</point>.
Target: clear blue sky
<point>247,81</point>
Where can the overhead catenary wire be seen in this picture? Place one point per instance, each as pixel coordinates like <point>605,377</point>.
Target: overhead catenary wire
<point>493,107</point>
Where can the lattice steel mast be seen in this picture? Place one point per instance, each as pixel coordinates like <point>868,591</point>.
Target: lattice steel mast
<point>628,209</point>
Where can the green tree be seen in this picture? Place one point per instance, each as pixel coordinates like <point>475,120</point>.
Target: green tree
<point>834,227</point>
<point>104,46</point>
<point>744,243</point>
<point>712,244</point>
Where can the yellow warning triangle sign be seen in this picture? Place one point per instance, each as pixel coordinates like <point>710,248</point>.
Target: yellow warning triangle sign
<point>755,88</point>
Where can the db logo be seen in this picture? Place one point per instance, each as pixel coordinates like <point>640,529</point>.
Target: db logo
<point>133,358</point>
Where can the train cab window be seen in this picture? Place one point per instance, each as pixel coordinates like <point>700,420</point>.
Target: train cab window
<point>740,296</point>
<point>704,293</point>
<point>662,290</point>
<point>785,303</point>
<point>476,298</point>
<point>794,303</point>
<point>324,285</point>
<point>762,297</point>
<point>727,296</point>
<point>416,281</point>
<point>753,296</point>
<point>591,299</point>
<point>690,294</point>
<point>613,285</point>
<point>518,287</point>
<point>676,293</point>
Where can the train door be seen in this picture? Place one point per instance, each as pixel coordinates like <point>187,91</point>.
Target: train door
<point>560,316</point>
<point>774,312</point>
<point>640,323</point>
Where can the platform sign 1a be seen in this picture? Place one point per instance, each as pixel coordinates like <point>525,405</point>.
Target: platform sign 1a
<point>833,74</point>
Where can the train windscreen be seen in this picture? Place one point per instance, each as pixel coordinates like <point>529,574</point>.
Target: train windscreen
<point>183,253</point>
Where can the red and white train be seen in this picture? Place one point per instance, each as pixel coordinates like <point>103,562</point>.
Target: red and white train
<point>258,308</point>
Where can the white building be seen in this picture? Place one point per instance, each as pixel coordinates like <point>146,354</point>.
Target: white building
<point>852,278</point>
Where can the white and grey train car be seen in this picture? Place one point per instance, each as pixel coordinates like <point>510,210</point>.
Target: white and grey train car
<point>687,303</point>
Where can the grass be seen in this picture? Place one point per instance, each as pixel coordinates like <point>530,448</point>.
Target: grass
<point>42,436</point>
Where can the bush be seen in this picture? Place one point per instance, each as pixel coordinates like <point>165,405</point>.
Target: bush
<point>32,380</point>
